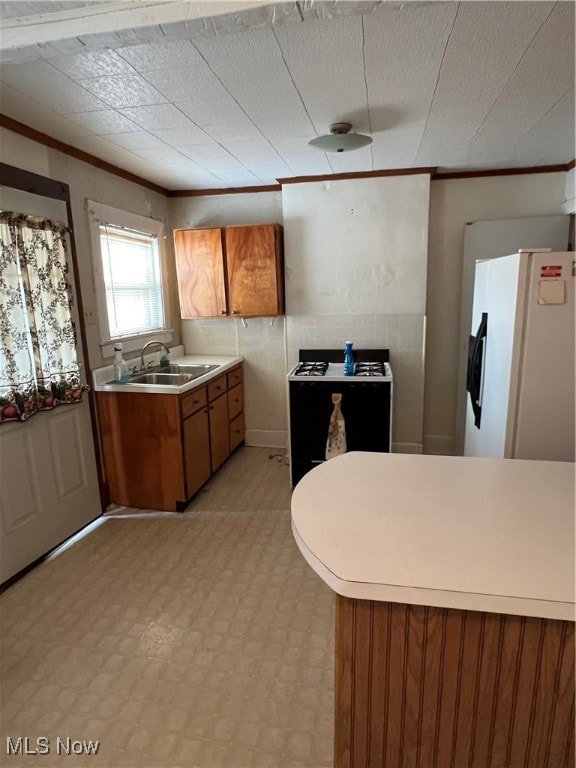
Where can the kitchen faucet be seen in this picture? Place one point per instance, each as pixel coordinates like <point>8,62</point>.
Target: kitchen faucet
<point>148,344</point>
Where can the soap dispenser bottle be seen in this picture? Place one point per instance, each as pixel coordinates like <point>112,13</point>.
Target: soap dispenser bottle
<point>348,359</point>
<point>121,372</point>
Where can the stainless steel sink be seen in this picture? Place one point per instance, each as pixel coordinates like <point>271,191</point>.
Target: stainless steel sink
<point>171,375</point>
<point>191,370</point>
<point>172,379</point>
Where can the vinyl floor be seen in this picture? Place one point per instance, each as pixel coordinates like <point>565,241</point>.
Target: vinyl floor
<point>193,639</point>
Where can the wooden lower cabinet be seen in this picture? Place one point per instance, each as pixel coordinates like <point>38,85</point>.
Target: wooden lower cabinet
<point>196,436</point>
<point>420,686</point>
<point>237,431</point>
<point>219,436</point>
<point>160,449</point>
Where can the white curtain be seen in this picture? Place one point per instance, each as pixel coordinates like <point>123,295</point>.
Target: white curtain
<point>38,362</point>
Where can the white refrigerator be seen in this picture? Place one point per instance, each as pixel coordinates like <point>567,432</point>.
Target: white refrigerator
<point>520,377</point>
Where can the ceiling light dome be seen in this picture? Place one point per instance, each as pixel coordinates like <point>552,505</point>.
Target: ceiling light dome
<point>340,140</point>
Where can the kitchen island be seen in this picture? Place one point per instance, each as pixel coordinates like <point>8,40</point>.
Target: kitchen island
<point>454,609</point>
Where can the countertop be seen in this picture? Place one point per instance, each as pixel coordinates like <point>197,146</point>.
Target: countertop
<point>491,535</point>
<point>102,377</point>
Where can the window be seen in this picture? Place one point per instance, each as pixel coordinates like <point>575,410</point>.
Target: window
<point>133,282</point>
<point>128,271</point>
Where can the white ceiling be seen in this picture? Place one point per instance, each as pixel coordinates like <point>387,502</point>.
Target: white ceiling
<point>192,101</point>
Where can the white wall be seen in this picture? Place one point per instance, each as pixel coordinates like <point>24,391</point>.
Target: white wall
<point>452,204</point>
<point>261,345</point>
<point>367,237</point>
<point>356,253</point>
<point>357,246</point>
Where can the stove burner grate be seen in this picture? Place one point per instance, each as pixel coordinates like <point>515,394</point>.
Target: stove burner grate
<point>311,369</point>
<point>370,369</point>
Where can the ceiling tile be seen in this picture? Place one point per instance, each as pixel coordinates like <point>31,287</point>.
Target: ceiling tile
<point>176,55</point>
<point>59,125</point>
<point>327,66</point>
<point>239,131</point>
<point>187,84</point>
<point>120,91</point>
<point>105,121</point>
<point>469,84</point>
<point>240,179</point>
<point>544,74</point>
<point>96,145</point>
<point>92,64</point>
<point>258,155</point>
<point>45,84</point>
<point>135,140</point>
<point>212,111</point>
<point>534,147</point>
<point>250,65</point>
<point>213,156</point>
<point>157,117</point>
<point>183,137</point>
<point>22,107</point>
<point>473,76</point>
<point>305,165</point>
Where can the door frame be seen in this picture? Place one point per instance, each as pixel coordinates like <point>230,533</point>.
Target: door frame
<point>35,184</point>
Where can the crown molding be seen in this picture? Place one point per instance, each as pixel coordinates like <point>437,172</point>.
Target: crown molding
<point>503,172</point>
<point>97,162</point>
<point>78,154</point>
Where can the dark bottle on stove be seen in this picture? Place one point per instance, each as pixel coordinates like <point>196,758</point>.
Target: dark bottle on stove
<point>348,359</point>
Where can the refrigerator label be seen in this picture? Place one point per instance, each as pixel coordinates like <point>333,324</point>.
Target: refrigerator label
<point>551,270</point>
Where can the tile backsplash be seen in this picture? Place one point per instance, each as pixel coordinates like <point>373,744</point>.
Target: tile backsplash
<point>271,350</point>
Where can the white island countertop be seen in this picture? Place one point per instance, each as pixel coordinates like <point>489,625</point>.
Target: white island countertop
<point>492,535</point>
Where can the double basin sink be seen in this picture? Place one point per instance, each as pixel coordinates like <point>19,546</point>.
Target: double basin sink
<point>171,375</point>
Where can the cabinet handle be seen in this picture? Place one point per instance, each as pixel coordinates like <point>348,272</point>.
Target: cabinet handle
<point>235,311</point>
<point>222,311</point>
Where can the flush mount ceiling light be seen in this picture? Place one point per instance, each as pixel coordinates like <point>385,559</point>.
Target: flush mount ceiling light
<point>340,139</point>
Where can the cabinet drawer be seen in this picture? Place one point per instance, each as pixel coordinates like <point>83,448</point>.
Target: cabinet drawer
<point>235,401</point>
<point>236,431</point>
<point>217,387</point>
<point>192,401</point>
<point>235,377</point>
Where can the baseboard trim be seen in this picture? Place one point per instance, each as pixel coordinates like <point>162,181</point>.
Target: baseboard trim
<point>440,445</point>
<point>267,438</point>
<point>407,448</point>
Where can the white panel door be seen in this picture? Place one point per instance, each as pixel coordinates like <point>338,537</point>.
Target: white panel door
<point>48,477</point>
<point>489,240</point>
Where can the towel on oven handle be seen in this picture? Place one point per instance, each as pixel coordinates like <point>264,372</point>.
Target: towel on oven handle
<point>336,442</point>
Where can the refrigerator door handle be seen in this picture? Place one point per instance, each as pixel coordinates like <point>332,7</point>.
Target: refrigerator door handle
<point>475,373</point>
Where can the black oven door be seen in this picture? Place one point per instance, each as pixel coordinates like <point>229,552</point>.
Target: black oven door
<point>366,411</point>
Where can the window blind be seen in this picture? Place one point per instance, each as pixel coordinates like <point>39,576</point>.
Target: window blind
<point>132,281</point>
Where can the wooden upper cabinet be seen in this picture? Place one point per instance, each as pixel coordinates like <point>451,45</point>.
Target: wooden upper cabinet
<point>255,270</point>
<point>200,268</point>
<point>230,271</point>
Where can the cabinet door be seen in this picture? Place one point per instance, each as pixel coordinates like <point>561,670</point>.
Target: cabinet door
<point>255,270</point>
<point>235,401</point>
<point>196,450</point>
<point>219,433</point>
<point>237,431</point>
<point>200,268</point>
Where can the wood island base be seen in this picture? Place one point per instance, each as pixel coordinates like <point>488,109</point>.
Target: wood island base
<point>424,686</point>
